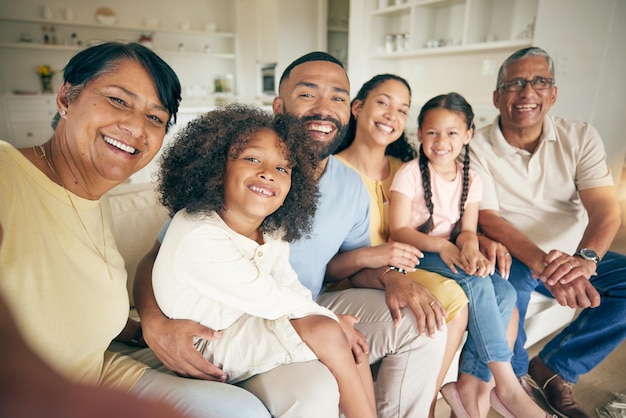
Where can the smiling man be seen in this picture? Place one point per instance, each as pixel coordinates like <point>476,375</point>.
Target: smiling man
<point>549,197</point>
<point>394,313</point>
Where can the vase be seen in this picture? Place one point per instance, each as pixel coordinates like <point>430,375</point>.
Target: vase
<point>46,84</point>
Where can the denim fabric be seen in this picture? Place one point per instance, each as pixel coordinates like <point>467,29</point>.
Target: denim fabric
<point>491,302</point>
<point>592,336</point>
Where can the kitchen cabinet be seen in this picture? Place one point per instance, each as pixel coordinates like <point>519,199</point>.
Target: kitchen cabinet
<point>199,56</point>
<point>338,12</point>
<point>28,119</point>
<point>410,28</point>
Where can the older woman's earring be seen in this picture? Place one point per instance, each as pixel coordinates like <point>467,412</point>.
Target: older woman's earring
<point>63,112</point>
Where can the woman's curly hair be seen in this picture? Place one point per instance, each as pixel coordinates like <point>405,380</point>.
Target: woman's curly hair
<point>193,166</point>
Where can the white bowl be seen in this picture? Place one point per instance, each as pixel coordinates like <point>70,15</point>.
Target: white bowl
<point>106,20</point>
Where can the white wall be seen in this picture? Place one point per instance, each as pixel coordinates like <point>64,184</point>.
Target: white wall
<point>274,31</point>
<point>586,39</point>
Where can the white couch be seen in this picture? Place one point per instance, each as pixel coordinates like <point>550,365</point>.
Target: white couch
<point>138,216</point>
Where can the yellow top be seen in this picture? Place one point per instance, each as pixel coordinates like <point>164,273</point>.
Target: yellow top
<point>379,200</point>
<point>449,293</point>
<point>54,280</point>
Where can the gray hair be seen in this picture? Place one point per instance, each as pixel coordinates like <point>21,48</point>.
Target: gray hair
<point>532,51</point>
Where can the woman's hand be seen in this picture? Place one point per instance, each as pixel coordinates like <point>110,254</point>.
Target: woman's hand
<point>396,254</point>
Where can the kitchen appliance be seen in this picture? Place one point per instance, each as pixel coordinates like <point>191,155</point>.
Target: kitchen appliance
<point>268,79</point>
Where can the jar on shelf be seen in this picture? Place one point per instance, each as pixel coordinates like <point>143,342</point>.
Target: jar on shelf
<point>390,43</point>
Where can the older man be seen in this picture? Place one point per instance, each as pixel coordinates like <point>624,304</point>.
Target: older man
<point>549,197</point>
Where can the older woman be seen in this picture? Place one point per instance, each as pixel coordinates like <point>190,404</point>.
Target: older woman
<point>61,274</point>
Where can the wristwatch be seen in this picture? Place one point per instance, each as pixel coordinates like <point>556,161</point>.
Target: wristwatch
<point>588,254</point>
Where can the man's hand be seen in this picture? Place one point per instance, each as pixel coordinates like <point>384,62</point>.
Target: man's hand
<point>401,292</point>
<point>356,339</point>
<point>497,255</point>
<point>172,341</point>
<point>579,293</point>
<point>564,268</point>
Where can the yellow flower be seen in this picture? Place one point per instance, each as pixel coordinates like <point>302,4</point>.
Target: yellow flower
<point>45,71</point>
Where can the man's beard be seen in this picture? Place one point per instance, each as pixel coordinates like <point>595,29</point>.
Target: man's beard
<point>325,149</point>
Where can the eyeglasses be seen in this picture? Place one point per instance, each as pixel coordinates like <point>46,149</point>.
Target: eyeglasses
<point>537,83</point>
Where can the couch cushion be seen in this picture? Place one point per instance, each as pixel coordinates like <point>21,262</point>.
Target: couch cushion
<point>137,216</point>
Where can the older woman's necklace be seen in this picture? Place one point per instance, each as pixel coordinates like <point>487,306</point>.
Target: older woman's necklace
<point>103,253</point>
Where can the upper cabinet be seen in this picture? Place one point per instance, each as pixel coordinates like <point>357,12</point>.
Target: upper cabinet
<point>401,28</point>
<point>198,41</point>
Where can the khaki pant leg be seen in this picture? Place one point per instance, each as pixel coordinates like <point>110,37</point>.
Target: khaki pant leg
<point>410,363</point>
<point>302,390</point>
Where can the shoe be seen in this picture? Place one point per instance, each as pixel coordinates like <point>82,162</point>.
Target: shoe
<point>501,409</point>
<point>523,381</point>
<point>451,395</point>
<point>555,390</point>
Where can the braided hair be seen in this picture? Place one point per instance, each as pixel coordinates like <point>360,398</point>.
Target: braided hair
<point>455,103</point>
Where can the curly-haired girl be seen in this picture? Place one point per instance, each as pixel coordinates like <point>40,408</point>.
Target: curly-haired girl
<point>434,206</point>
<point>240,186</point>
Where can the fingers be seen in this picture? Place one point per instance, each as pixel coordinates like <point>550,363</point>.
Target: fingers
<point>504,265</point>
<point>406,257</point>
<point>396,314</point>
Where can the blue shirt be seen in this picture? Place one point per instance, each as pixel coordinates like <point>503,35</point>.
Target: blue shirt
<point>341,224</point>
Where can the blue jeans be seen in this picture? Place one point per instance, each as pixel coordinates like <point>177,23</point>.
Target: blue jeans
<point>591,337</point>
<point>491,302</point>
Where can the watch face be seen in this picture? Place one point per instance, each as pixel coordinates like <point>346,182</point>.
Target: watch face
<point>589,254</point>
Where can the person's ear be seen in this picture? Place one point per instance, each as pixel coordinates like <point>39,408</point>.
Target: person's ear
<point>496,98</point>
<point>553,96</point>
<point>63,96</point>
<point>468,136</point>
<point>356,107</point>
<point>278,105</point>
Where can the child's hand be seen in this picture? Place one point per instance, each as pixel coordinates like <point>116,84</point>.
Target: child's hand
<point>474,262</point>
<point>451,256</point>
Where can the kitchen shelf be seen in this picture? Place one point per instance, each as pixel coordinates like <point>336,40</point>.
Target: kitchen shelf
<point>437,27</point>
<point>75,48</point>
<point>455,49</point>
<point>144,29</point>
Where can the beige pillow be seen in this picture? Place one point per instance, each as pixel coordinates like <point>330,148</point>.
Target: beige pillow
<point>137,216</point>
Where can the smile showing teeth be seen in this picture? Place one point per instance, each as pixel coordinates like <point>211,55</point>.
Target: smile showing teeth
<point>320,128</point>
<point>440,152</point>
<point>385,128</point>
<point>526,107</point>
<point>119,145</point>
<point>262,190</point>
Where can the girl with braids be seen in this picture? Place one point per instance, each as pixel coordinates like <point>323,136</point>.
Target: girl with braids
<point>240,184</point>
<point>434,207</point>
<point>376,147</point>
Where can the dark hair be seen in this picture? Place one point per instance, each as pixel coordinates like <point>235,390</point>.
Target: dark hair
<point>400,148</point>
<point>311,56</point>
<point>453,102</point>
<point>97,60</point>
<point>519,55</point>
<point>193,165</point>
